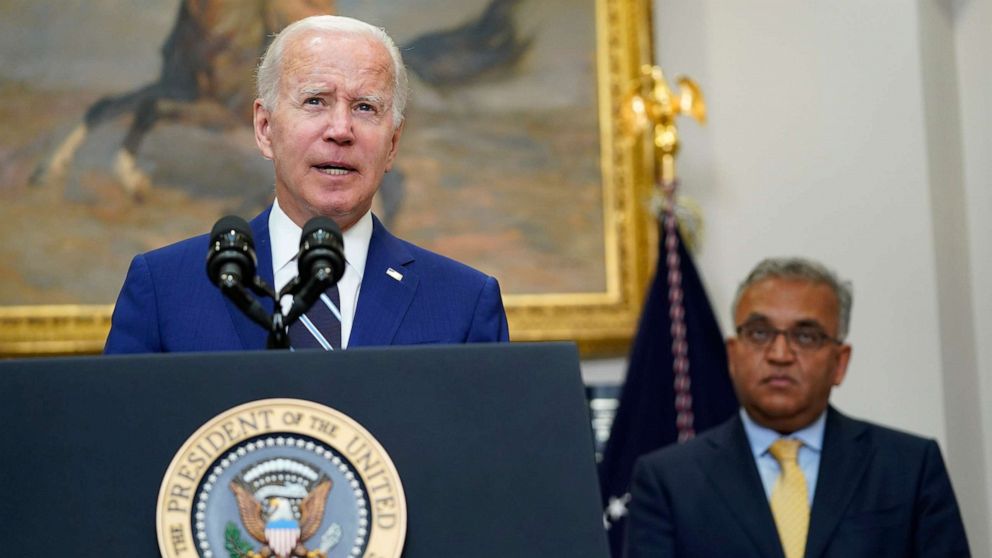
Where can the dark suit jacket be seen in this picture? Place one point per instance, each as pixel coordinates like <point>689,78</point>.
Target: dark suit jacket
<point>168,304</point>
<point>880,493</point>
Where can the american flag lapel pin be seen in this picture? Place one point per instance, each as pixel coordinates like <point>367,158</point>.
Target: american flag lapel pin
<point>394,274</point>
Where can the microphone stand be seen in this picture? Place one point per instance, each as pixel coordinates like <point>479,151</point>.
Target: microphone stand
<point>232,256</point>
<point>304,296</point>
<point>279,333</point>
<point>278,326</point>
<point>242,298</point>
<point>275,324</point>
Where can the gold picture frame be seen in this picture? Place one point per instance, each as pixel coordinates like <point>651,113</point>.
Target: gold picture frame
<point>600,322</point>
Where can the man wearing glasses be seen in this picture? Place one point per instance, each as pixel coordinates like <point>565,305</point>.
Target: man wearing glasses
<point>791,476</point>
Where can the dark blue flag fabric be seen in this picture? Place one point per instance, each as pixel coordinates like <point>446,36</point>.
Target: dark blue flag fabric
<point>646,417</point>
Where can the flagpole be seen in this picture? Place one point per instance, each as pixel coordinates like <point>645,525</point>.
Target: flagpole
<point>654,107</point>
<point>656,402</point>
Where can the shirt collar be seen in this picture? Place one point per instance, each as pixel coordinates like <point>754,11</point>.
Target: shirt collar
<point>285,237</point>
<point>356,244</point>
<point>760,438</point>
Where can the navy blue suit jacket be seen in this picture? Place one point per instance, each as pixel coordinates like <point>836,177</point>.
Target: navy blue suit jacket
<point>880,493</point>
<point>168,304</point>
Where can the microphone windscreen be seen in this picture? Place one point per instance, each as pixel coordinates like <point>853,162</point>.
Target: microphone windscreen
<point>324,223</point>
<point>231,253</point>
<point>321,247</point>
<point>231,223</point>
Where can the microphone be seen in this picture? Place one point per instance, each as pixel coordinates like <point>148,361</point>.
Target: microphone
<point>321,252</point>
<point>320,264</point>
<point>231,266</point>
<point>231,257</point>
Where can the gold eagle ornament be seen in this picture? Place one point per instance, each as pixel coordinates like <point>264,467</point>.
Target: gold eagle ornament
<point>275,525</point>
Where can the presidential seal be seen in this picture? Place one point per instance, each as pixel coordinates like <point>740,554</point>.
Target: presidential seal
<point>281,478</point>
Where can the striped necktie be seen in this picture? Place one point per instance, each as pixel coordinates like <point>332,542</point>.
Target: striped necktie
<point>320,326</point>
<point>790,500</point>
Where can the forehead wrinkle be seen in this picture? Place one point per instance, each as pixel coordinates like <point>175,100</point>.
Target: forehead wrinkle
<point>380,91</point>
<point>381,68</point>
<point>318,82</point>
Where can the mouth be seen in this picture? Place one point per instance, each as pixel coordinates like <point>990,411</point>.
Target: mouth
<point>779,380</point>
<point>334,168</point>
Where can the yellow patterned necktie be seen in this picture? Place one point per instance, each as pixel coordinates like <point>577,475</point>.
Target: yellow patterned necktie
<point>790,500</point>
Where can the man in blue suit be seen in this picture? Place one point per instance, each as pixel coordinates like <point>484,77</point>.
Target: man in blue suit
<point>791,476</point>
<point>332,91</point>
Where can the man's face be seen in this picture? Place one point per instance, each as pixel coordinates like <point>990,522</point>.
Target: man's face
<point>780,386</point>
<point>331,134</point>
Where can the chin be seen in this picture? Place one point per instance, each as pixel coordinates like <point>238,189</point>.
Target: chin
<point>329,206</point>
<point>338,200</point>
<point>779,410</point>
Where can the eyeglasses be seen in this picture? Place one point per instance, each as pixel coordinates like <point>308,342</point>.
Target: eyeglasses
<point>803,338</point>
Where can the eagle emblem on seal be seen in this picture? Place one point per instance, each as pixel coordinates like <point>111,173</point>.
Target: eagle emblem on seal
<point>282,515</point>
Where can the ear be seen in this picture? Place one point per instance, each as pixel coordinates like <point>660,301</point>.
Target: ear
<point>262,119</point>
<point>394,144</point>
<point>840,368</point>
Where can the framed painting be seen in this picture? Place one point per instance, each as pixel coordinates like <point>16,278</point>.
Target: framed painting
<point>513,159</point>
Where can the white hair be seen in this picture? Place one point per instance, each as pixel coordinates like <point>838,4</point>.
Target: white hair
<point>269,70</point>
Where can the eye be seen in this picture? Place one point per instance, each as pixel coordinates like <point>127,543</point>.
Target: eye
<point>312,101</point>
<point>365,107</point>
<point>759,333</point>
<point>807,337</point>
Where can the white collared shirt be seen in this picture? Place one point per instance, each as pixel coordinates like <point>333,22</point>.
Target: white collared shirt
<point>285,237</point>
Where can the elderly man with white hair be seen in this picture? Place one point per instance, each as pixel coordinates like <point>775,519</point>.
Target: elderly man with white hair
<point>329,115</point>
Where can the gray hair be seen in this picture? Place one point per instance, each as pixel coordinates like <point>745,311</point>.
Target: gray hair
<point>803,270</point>
<point>269,70</point>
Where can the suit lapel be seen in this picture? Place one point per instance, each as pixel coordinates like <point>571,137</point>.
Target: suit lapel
<point>843,462</point>
<point>252,335</point>
<point>730,467</point>
<point>383,299</point>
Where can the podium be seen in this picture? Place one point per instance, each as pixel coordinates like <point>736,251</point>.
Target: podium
<point>492,442</point>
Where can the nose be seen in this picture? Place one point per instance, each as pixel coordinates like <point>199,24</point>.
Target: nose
<point>779,350</point>
<point>339,127</point>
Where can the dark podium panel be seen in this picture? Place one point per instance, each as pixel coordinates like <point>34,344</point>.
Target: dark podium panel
<point>492,442</point>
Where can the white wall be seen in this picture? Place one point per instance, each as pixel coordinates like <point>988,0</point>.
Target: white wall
<point>857,133</point>
<point>972,21</point>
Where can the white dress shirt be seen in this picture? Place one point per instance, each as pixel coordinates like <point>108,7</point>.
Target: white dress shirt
<point>285,237</point>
